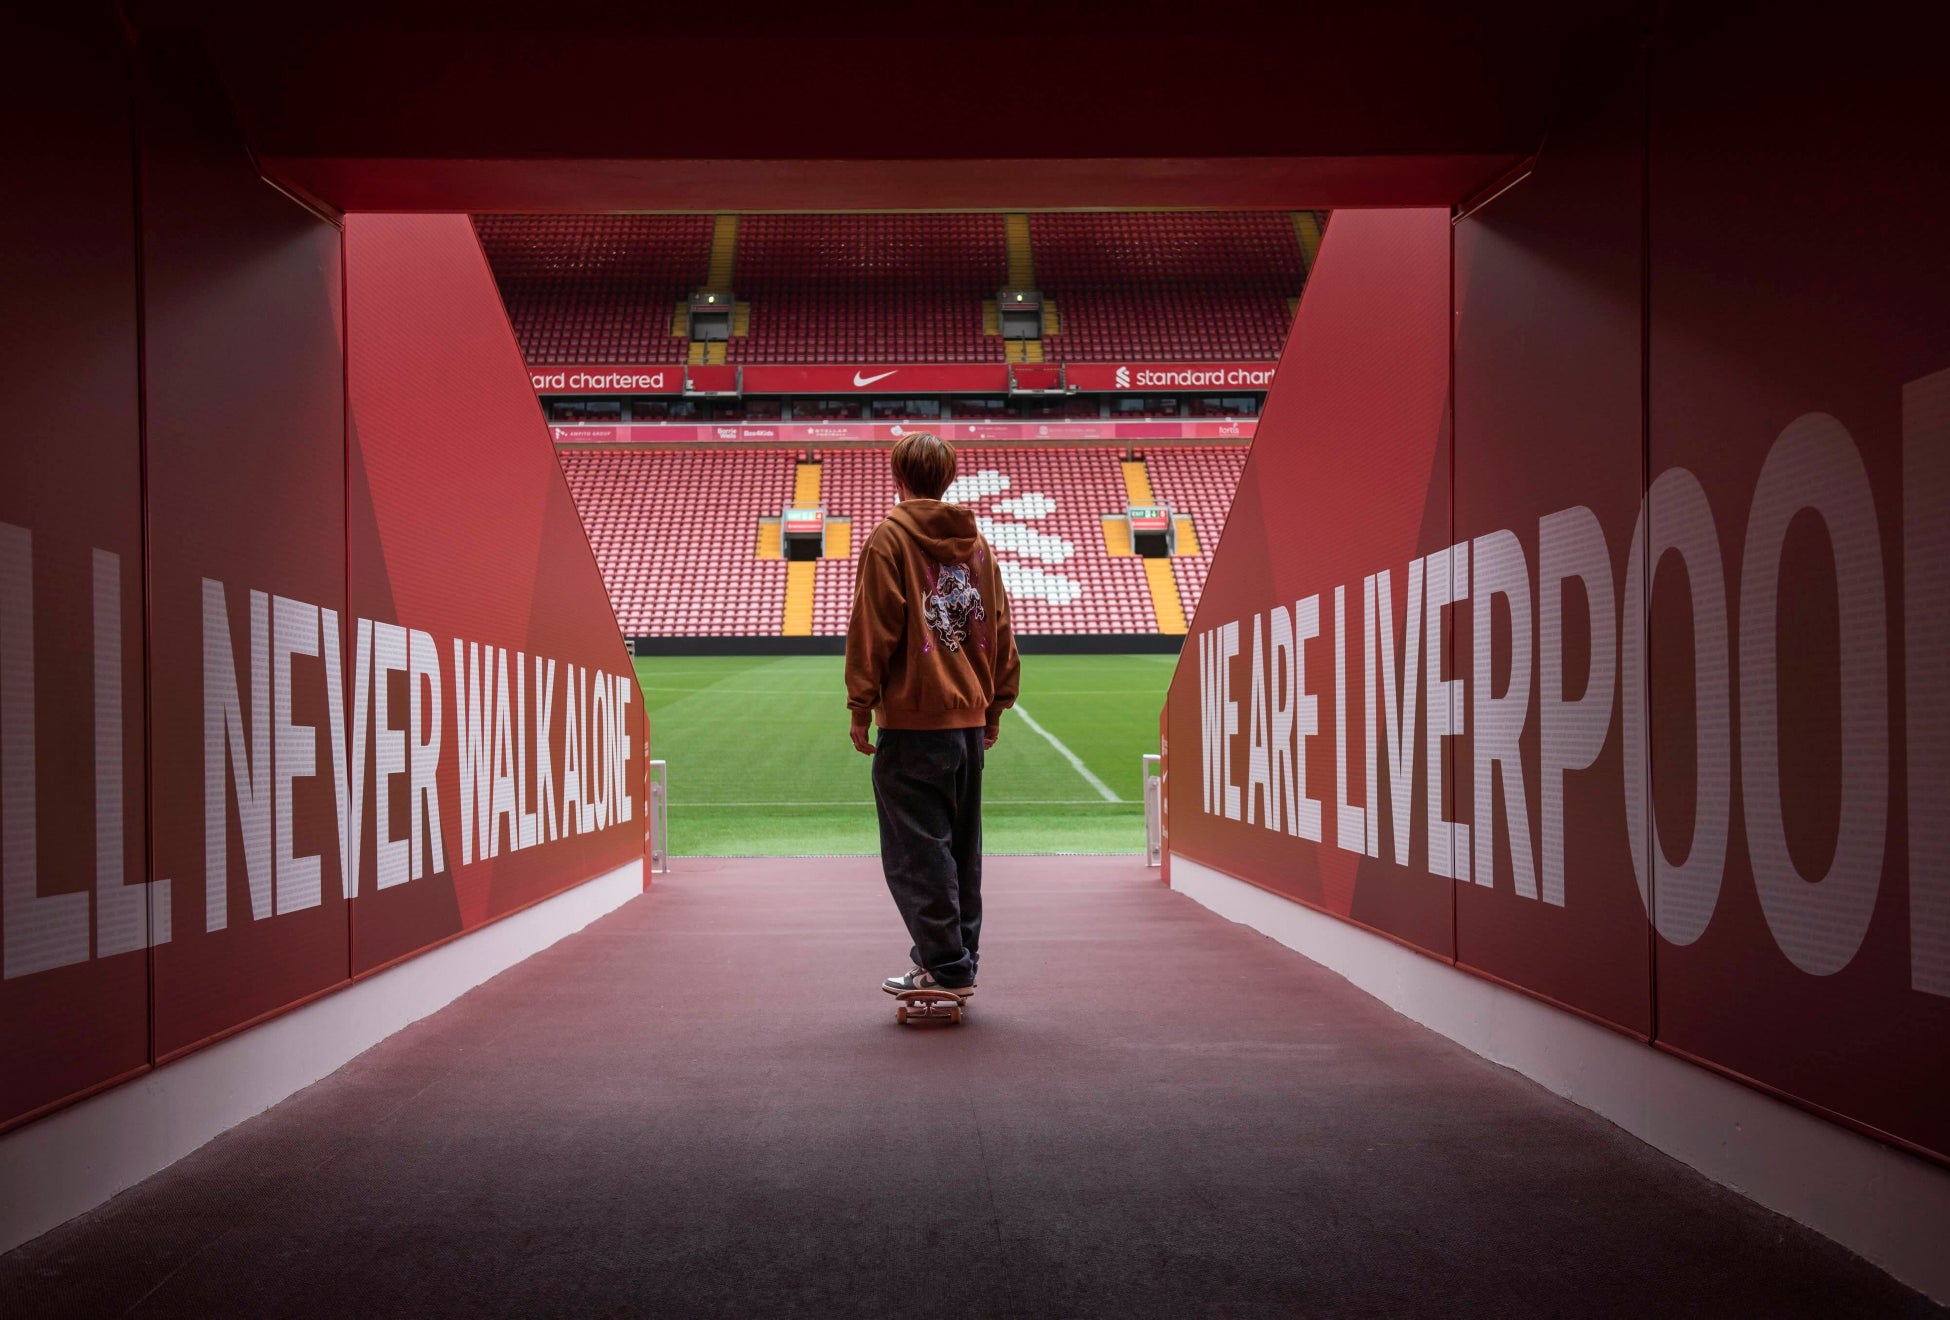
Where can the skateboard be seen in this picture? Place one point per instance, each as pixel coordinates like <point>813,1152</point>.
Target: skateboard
<point>928,1005</point>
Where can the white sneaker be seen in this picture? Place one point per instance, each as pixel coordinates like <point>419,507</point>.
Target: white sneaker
<point>921,979</point>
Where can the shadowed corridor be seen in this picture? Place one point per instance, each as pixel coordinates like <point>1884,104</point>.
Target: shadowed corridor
<point>702,1105</point>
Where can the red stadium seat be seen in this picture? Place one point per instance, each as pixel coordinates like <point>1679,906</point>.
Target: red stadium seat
<point>900,288</point>
<point>1167,286</point>
<point>675,532</point>
<point>868,288</point>
<point>595,290</point>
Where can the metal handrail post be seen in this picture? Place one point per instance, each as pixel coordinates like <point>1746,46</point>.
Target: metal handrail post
<point>659,818</point>
<point>1154,821</point>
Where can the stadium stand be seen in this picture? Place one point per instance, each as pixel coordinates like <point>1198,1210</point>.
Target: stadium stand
<point>1196,481</point>
<point>868,288</point>
<point>1040,508</point>
<point>857,486</point>
<point>594,290</point>
<point>678,532</point>
<point>1167,285</point>
<point>1189,573</point>
<point>1171,286</point>
<point>675,534</point>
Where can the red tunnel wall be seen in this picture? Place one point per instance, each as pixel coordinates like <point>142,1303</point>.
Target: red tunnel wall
<point>463,526</point>
<point>1730,295</point>
<point>223,512</point>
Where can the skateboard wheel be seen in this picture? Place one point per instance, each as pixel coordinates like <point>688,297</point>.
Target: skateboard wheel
<point>954,1014</point>
<point>900,1014</point>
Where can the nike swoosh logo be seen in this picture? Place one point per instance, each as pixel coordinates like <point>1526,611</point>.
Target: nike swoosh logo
<point>861,382</point>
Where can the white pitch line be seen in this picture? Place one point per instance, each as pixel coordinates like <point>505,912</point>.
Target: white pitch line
<point>1076,763</point>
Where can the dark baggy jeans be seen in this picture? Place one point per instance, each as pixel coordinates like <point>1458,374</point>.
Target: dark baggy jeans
<point>927,789</point>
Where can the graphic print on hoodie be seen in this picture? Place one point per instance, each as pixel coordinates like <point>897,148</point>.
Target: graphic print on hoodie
<point>929,644</point>
<point>953,603</point>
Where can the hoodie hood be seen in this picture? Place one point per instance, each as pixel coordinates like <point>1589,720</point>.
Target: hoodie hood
<point>946,532</point>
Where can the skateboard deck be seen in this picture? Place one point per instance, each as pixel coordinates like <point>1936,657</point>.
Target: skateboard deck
<point>928,1006</point>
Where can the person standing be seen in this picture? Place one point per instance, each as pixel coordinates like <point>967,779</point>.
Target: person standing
<point>931,659</point>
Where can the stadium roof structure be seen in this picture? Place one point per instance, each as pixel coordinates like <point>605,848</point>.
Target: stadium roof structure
<point>594,105</point>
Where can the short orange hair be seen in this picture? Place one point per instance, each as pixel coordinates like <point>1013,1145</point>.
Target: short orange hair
<point>924,463</point>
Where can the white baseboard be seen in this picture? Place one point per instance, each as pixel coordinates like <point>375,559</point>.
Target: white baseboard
<point>78,1157</point>
<point>1884,1204</point>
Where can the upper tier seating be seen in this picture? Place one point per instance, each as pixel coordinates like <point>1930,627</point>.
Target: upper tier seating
<point>675,535</point>
<point>595,290</point>
<point>1041,510</point>
<point>1167,285</point>
<point>1198,481</point>
<point>868,288</point>
<point>1172,286</point>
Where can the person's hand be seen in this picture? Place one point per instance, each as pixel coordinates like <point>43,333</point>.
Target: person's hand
<point>861,743</point>
<point>989,735</point>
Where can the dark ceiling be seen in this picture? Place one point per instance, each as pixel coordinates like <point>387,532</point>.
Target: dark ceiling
<point>601,106</point>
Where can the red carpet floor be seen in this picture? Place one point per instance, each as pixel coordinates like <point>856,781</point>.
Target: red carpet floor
<point>701,1105</point>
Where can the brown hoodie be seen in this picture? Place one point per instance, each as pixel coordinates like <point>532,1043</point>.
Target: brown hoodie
<point>929,645</point>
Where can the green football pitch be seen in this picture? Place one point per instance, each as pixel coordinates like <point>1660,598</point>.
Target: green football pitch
<point>760,763</point>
